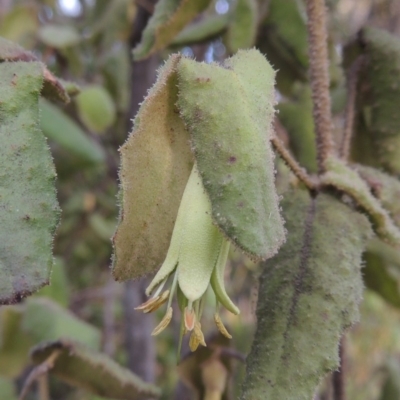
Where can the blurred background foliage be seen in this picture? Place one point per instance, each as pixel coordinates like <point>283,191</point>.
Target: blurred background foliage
<point>89,42</point>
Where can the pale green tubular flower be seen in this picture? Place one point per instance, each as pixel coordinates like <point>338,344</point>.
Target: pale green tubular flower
<point>196,258</point>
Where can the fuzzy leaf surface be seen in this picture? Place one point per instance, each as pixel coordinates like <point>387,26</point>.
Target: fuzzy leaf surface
<point>29,212</point>
<point>156,163</point>
<point>228,111</point>
<point>309,294</point>
<point>94,372</point>
<point>168,19</point>
<point>52,87</point>
<point>343,178</point>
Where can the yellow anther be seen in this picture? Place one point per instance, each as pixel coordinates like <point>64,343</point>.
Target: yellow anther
<point>154,303</point>
<point>164,323</point>
<point>221,326</point>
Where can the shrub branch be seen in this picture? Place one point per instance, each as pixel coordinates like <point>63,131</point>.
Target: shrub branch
<point>319,76</point>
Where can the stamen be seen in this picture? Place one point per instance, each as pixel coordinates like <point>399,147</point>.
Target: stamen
<point>154,303</point>
<point>189,317</point>
<point>197,337</point>
<point>164,323</point>
<point>221,326</point>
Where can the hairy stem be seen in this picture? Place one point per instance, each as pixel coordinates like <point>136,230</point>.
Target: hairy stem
<point>352,80</point>
<point>294,166</point>
<point>319,76</point>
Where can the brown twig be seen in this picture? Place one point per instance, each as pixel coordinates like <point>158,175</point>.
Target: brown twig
<point>39,371</point>
<point>338,377</point>
<point>294,166</point>
<point>43,384</point>
<point>319,77</point>
<point>352,81</point>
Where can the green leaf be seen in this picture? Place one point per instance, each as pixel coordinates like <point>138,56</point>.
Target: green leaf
<point>59,127</point>
<point>156,164</point>
<point>382,271</point>
<point>242,28</point>
<point>384,187</point>
<point>93,371</point>
<point>391,384</point>
<point>14,343</point>
<point>228,111</point>
<point>168,19</point>
<point>29,212</point>
<point>296,116</point>
<point>209,27</point>
<point>7,389</point>
<point>46,320</point>
<point>53,88</point>
<point>309,294</point>
<point>283,39</point>
<point>343,178</point>
<point>20,24</point>
<point>59,36</point>
<point>58,290</point>
<point>380,94</point>
<point>96,108</point>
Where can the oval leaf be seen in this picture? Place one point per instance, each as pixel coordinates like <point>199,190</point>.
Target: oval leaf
<point>29,212</point>
<point>156,164</point>
<point>309,293</point>
<point>168,19</point>
<point>93,371</point>
<point>228,110</point>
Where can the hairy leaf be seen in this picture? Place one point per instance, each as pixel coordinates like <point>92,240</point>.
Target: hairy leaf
<point>349,181</point>
<point>168,19</point>
<point>46,320</point>
<point>384,187</point>
<point>53,88</point>
<point>309,294</point>
<point>228,111</point>
<point>156,164</point>
<point>29,212</point>
<point>242,28</point>
<point>94,372</point>
<point>59,127</point>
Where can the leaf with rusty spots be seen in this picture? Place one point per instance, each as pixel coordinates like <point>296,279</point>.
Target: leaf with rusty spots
<point>29,210</point>
<point>156,164</point>
<point>168,19</point>
<point>52,88</point>
<point>228,110</point>
<point>93,371</point>
<point>309,294</point>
